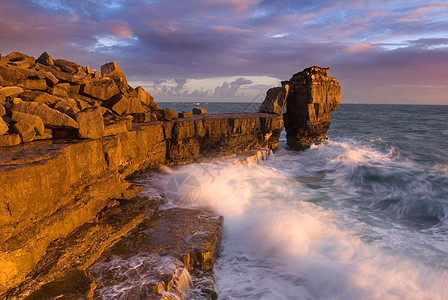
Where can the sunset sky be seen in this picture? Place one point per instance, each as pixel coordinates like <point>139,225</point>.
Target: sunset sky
<point>234,50</point>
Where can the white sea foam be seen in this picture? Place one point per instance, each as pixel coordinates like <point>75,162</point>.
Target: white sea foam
<point>279,245</point>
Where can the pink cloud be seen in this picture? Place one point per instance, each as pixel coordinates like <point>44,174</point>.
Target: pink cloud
<point>122,30</point>
<point>360,47</point>
<point>231,29</point>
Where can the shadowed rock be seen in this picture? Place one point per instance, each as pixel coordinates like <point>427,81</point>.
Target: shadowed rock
<point>275,100</point>
<point>199,111</point>
<point>45,59</point>
<point>33,120</point>
<point>3,126</point>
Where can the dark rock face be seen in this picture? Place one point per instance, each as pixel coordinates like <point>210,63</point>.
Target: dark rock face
<point>312,97</point>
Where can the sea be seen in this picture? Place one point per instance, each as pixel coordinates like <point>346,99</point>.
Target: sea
<point>360,216</point>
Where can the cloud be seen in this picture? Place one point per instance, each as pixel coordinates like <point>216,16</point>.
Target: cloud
<point>230,89</point>
<point>360,47</point>
<point>160,40</point>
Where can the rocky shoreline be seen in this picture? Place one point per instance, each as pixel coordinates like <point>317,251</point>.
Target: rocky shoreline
<point>71,142</point>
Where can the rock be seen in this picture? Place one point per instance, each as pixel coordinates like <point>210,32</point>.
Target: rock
<point>3,126</point>
<point>275,100</point>
<point>50,79</point>
<point>112,70</point>
<point>185,114</point>
<point>50,117</point>
<point>20,60</point>
<point>169,114</point>
<point>33,120</point>
<point>9,140</point>
<point>57,91</point>
<point>90,121</point>
<point>199,111</point>
<point>44,136</point>
<point>66,66</point>
<point>2,110</point>
<point>102,90</point>
<point>136,106</point>
<point>119,103</point>
<point>115,128</point>
<point>25,130</point>
<point>144,96</point>
<point>311,99</point>
<point>89,70</point>
<point>16,100</point>
<point>144,117</point>
<point>45,59</point>
<point>11,91</point>
<point>38,96</point>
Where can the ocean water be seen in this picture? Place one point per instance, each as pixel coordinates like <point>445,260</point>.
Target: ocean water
<point>360,216</point>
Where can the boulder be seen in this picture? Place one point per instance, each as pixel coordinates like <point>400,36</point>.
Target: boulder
<point>101,90</point>
<point>50,79</point>
<point>90,121</point>
<point>57,91</point>
<point>11,91</point>
<point>38,96</point>
<point>20,60</point>
<point>199,111</point>
<point>33,120</point>
<point>275,100</point>
<point>3,126</point>
<point>50,117</point>
<point>2,110</point>
<point>311,98</point>
<point>112,70</point>
<point>9,140</point>
<point>45,59</point>
<point>169,114</point>
<point>144,96</point>
<point>136,106</point>
<point>25,130</point>
<point>144,117</point>
<point>115,128</point>
<point>66,66</point>
<point>119,103</point>
<point>185,114</point>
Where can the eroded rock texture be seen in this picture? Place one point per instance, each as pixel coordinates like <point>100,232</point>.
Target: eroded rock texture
<point>312,97</point>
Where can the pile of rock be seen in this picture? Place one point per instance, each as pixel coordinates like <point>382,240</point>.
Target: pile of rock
<point>50,99</point>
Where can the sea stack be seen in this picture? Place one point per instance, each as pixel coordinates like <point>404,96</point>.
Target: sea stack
<point>312,97</point>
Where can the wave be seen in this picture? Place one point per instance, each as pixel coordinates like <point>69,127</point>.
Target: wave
<point>281,244</point>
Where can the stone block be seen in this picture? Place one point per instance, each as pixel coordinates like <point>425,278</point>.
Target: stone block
<point>9,140</point>
<point>45,59</point>
<point>102,90</point>
<point>169,114</point>
<point>25,130</point>
<point>33,120</point>
<point>11,91</point>
<point>115,128</point>
<point>90,121</point>
<point>275,100</point>
<point>3,126</point>
<point>185,114</point>
<point>199,111</point>
<point>50,117</point>
<point>2,110</point>
<point>38,96</point>
<point>144,96</point>
<point>119,104</point>
<point>112,70</point>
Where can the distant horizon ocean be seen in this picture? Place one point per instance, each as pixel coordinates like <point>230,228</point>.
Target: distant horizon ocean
<point>363,215</point>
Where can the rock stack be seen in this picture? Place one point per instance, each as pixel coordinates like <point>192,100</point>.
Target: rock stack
<point>50,99</point>
<point>310,97</point>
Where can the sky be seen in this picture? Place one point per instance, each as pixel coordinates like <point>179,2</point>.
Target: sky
<point>235,50</point>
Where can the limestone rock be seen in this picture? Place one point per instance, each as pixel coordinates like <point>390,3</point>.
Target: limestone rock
<point>119,103</point>
<point>185,114</point>
<point>144,96</point>
<point>102,90</point>
<point>114,129</point>
<point>169,114</point>
<point>50,117</point>
<point>11,91</point>
<point>275,100</point>
<point>9,140</point>
<point>33,120</point>
<point>90,121</point>
<point>144,117</point>
<point>38,96</point>
<point>312,97</point>
<point>2,110</point>
<point>45,59</point>
<point>20,60</point>
<point>49,78</point>
<point>3,126</point>
<point>199,111</point>
<point>66,66</point>
<point>136,106</point>
<point>25,130</point>
<point>112,70</point>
